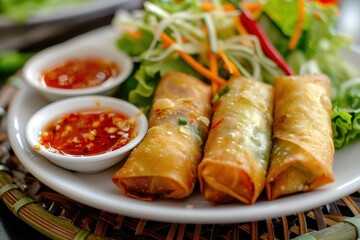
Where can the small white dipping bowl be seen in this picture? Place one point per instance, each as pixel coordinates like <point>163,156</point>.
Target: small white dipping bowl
<point>35,66</point>
<point>91,163</point>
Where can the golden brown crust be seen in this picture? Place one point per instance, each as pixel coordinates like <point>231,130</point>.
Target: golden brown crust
<point>237,149</point>
<point>303,150</point>
<point>164,163</point>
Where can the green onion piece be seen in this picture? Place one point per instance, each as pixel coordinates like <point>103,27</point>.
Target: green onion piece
<point>215,98</point>
<point>182,121</point>
<point>224,90</point>
<point>219,94</point>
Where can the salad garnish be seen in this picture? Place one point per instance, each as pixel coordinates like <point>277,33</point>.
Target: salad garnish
<point>20,10</point>
<point>214,41</point>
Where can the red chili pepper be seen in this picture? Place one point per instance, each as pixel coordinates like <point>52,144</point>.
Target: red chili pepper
<point>216,104</point>
<point>253,28</point>
<point>330,2</point>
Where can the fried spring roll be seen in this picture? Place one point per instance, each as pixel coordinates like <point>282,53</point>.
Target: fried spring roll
<point>238,147</point>
<point>302,156</point>
<point>164,164</point>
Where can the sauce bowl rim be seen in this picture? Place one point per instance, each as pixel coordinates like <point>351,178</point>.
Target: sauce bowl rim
<point>54,110</point>
<point>48,57</point>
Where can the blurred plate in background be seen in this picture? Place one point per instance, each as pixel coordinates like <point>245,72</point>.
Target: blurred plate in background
<point>45,28</point>
<point>66,11</point>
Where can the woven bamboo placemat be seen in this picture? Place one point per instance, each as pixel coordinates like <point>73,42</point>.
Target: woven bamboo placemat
<point>59,217</point>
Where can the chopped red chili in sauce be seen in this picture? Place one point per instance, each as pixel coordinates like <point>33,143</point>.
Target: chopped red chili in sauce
<point>80,73</point>
<point>88,132</point>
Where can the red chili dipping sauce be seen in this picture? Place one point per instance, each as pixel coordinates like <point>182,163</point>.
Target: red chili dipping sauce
<point>80,73</point>
<point>88,132</point>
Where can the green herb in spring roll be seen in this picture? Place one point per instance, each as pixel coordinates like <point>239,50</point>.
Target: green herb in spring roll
<point>302,156</point>
<point>238,147</point>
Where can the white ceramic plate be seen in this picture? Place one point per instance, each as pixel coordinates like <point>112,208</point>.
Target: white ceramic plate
<point>70,11</point>
<point>97,190</point>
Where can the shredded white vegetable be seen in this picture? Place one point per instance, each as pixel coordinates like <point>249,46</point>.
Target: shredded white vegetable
<point>185,28</point>
<point>344,87</point>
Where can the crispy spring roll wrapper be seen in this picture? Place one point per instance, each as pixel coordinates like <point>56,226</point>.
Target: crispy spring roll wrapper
<point>302,156</point>
<point>238,147</point>
<point>164,164</point>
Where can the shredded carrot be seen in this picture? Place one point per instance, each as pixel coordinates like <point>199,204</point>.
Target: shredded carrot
<point>204,29</point>
<point>216,124</point>
<point>167,41</point>
<point>214,88</point>
<point>184,39</point>
<point>208,7</point>
<point>228,7</point>
<point>253,7</point>
<point>239,27</point>
<point>136,34</point>
<point>213,63</point>
<point>299,26</point>
<point>229,65</point>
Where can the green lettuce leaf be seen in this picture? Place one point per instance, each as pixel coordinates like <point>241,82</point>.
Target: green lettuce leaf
<point>345,126</point>
<point>135,46</point>
<point>274,33</point>
<point>139,88</point>
<point>11,61</point>
<point>349,94</point>
<point>319,44</point>
<point>338,69</point>
<point>296,59</point>
<point>318,29</point>
<point>284,14</point>
<point>320,33</point>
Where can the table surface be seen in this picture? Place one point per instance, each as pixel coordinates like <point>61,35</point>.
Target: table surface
<point>10,225</point>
